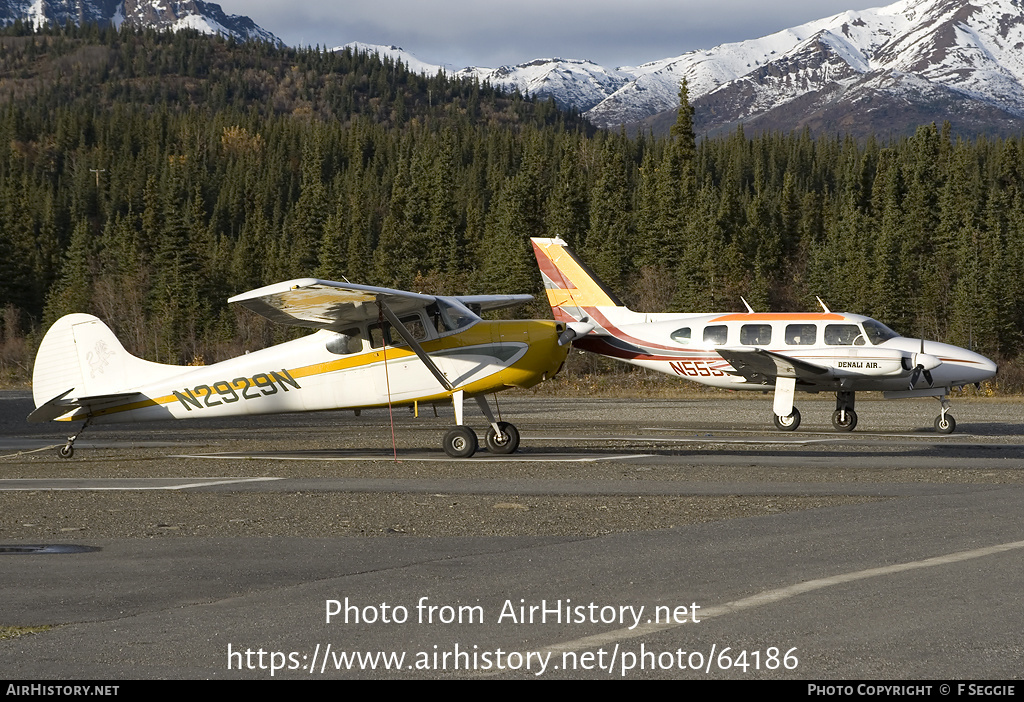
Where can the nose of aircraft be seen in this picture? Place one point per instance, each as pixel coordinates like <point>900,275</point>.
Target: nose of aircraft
<point>544,356</point>
<point>970,367</point>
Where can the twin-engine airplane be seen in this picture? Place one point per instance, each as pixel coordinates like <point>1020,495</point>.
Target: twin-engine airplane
<point>784,352</point>
<point>373,347</point>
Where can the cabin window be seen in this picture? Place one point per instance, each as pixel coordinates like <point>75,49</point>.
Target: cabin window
<point>716,335</point>
<point>381,333</point>
<point>878,332</point>
<point>843,335</point>
<point>756,334</point>
<point>415,326</point>
<point>681,336</point>
<point>346,342</point>
<point>801,334</point>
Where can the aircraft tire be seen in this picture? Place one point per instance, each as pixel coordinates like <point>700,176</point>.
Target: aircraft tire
<point>945,425</point>
<point>460,442</point>
<point>789,423</point>
<point>848,425</point>
<point>66,451</point>
<point>511,436</point>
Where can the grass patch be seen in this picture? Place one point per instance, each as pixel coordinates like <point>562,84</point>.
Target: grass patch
<point>13,632</point>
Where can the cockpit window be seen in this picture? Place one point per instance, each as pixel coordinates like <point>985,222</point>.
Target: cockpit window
<point>878,332</point>
<point>843,335</point>
<point>379,333</point>
<point>414,325</point>
<point>681,336</point>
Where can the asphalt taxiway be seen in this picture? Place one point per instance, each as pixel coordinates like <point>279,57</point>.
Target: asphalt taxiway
<point>887,553</point>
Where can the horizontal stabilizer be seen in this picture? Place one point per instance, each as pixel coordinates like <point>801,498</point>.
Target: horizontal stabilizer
<point>62,405</point>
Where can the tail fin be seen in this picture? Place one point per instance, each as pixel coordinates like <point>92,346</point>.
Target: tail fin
<point>571,286</point>
<point>80,357</point>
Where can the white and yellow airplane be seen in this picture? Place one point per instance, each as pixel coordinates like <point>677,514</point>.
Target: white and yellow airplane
<point>374,347</point>
<point>784,352</point>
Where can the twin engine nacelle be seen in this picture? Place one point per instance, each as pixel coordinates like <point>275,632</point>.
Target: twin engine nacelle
<point>881,363</point>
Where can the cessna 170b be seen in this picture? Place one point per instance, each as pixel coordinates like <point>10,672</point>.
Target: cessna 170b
<point>784,352</point>
<point>374,347</point>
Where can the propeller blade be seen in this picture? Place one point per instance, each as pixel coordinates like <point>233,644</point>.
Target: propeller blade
<point>923,363</point>
<point>574,330</point>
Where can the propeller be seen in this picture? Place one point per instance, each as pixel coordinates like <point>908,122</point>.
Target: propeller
<point>574,330</point>
<point>923,364</point>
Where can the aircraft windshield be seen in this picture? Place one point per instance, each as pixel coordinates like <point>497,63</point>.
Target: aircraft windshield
<point>452,316</point>
<point>878,332</point>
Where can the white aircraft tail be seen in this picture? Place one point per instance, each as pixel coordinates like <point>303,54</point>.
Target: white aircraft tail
<point>81,357</point>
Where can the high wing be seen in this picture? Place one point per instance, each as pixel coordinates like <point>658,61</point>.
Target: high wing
<point>493,302</point>
<point>326,304</point>
<point>760,365</point>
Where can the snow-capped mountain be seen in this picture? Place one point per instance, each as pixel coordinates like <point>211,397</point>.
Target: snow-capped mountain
<point>881,70</point>
<point>205,17</point>
<point>572,82</point>
<point>953,55</point>
<point>395,53</point>
<point>581,84</point>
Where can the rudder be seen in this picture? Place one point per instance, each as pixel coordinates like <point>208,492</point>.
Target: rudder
<point>81,354</point>
<point>570,284</point>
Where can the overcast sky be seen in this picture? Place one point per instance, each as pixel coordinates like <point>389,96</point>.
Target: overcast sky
<point>461,33</point>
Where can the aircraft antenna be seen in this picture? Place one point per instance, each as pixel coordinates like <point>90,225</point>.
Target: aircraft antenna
<point>823,306</point>
<point>746,304</point>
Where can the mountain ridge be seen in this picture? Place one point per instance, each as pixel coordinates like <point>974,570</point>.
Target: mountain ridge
<point>206,17</point>
<point>910,60</point>
<point>881,68</point>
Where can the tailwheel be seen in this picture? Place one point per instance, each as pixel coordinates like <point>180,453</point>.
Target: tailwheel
<point>460,442</point>
<point>844,420</point>
<point>68,449</point>
<point>789,422</point>
<point>507,443</point>
<point>945,424</point>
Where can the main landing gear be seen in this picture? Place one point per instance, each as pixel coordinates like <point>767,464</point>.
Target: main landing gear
<point>789,422</point>
<point>461,441</point>
<point>845,418</point>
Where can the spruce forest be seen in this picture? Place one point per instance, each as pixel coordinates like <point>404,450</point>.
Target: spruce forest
<point>145,177</point>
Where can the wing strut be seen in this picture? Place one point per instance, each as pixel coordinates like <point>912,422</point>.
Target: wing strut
<point>427,360</point>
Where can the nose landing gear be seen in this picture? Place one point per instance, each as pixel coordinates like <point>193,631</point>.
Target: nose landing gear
<point>944,423</point>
